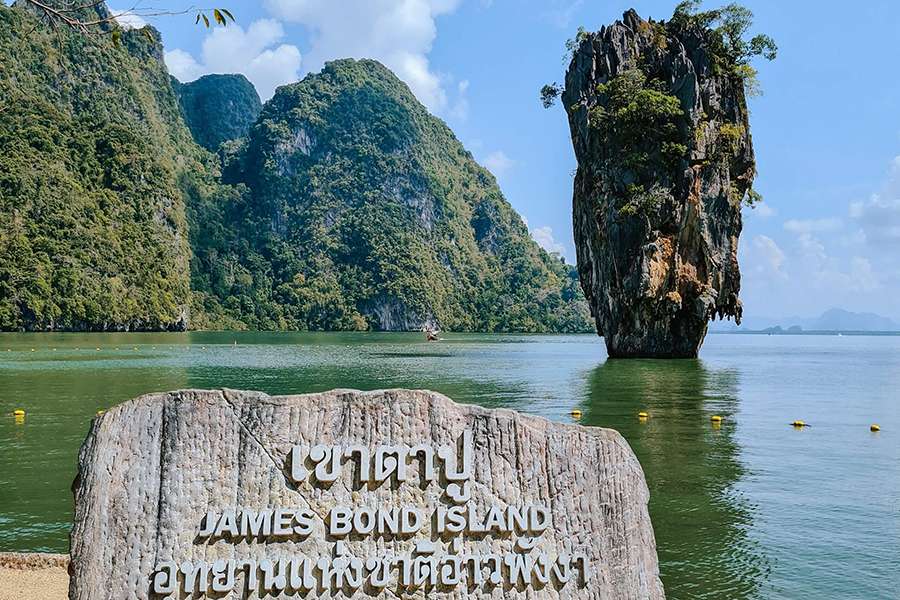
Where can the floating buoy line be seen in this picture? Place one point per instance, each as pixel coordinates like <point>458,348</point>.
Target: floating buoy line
<point>575,413</point>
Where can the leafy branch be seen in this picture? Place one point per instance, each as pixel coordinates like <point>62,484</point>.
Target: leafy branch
<point>79,18</point>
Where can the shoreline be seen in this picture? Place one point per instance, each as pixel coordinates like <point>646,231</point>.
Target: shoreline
<point>34,576</point>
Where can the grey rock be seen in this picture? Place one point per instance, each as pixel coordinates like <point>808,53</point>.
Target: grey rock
<point>152,467</point>
<point>654,280</point>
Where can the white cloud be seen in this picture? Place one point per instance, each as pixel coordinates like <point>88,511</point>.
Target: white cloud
<point>822,262</point>
<point>802,226</point>
<point>544,237</point>
<point>498,163</point>
<point>252,52</point>
<point>460,108</point>
<point>127,19</point>
<point>769,257</point>
<point>399,34</point>
<point>879,217</point>
<point>561,12</point>
<point>763,210</point>
<point>182,65</point>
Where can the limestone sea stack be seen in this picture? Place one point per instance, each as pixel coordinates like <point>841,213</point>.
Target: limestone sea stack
<point>381,494</point>
<point>660,129</point>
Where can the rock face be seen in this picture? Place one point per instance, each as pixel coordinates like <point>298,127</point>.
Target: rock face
<point>657,217</point>
<point>152,468</point>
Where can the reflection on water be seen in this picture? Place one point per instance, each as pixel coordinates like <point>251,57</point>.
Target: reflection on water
<point>691,467</point>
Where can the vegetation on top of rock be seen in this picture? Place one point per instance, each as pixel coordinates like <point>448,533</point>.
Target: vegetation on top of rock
<point>725,38</point>
<point>725,30</point>
<point>218,108</point>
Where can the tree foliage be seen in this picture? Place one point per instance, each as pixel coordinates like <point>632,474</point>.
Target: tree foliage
<point>91,218</point>
<point>726,29</point>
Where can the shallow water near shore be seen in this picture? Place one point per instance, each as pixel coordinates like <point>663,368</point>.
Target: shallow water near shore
<point>751,509</point>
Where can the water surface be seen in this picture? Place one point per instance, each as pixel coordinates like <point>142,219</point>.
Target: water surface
<point>751,509</point>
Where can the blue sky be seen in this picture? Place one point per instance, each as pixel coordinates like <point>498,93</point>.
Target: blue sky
<point>826,130</point>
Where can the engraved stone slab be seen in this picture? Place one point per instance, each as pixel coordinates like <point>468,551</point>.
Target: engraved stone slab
<point>393,493</point>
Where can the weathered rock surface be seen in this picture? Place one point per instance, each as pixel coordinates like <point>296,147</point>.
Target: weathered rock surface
<point>151,468</point>
<point>654,279</point>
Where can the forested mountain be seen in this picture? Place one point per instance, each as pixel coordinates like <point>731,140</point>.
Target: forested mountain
<point>92,223</point>
<point>355,208</point>
<point>346,205</point>
<point>218,108</point>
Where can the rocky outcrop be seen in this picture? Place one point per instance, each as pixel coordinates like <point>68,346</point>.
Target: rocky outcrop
<point>152,468</point>
<point>657,213</point>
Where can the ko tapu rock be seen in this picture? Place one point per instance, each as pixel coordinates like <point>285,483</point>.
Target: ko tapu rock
<point>659,123</point>
<point>382,494</point>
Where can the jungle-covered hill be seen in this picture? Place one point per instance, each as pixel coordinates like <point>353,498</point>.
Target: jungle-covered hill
<point>346,206</point>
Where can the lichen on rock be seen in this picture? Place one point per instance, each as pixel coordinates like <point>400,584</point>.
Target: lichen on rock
<point>660,128</point>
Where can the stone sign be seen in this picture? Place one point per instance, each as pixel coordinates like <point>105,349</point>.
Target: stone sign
<point>395,493</point>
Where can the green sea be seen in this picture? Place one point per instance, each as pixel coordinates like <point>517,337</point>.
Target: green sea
<point>751,509</point>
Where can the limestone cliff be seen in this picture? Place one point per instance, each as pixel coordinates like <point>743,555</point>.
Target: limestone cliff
<point>660,129</point>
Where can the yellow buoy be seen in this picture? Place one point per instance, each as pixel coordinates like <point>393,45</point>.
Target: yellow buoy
<point>642,415</point>
<point>717,418</point>
<point>98,348</point>
<point>32,349</point>
<point>874,427</point>
<point>576,414</point>
<point>799,424</point>
<point>19,412</point>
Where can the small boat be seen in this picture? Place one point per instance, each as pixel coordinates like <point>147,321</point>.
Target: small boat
<point>431,334</point>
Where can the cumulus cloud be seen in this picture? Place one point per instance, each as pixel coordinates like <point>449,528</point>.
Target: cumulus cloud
<point>498,163</point>
<point>763,210</point>
<point>544,237</point>
<point>807,226</point>
<point>766,256</point>
<point>879,216</point>
<point>821,262</point>
<point>460,108</point>
<point>399,34</point>
<point>560,12</point>
<point>127,19</point>
<point>252,52</point>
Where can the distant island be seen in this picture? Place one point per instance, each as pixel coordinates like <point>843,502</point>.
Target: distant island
<point>833,320</point>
